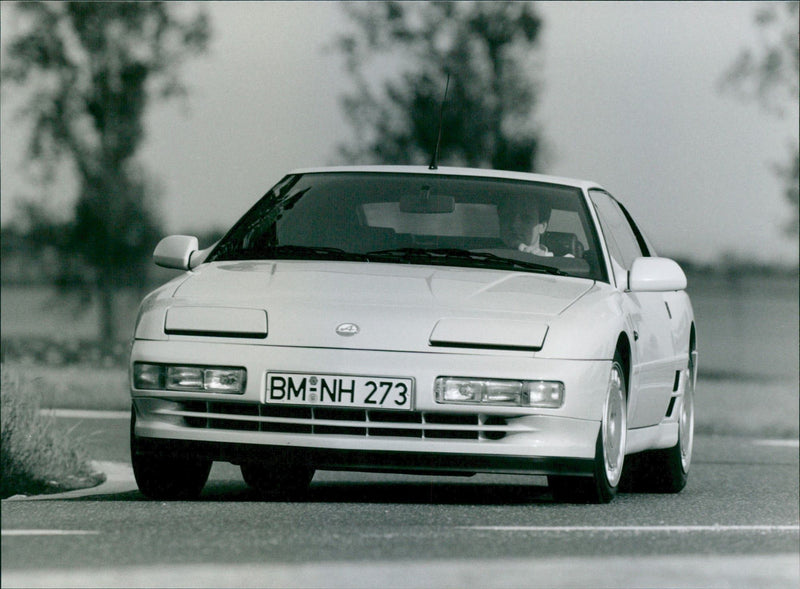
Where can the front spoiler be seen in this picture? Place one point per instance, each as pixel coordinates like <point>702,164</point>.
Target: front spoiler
<point>367,460</point>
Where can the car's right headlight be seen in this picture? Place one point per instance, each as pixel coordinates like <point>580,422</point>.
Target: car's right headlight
<point>520,393</point>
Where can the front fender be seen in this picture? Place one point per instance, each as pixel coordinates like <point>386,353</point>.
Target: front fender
<point>682,320</point>
<point>589,328</point>
<point>153,308</point>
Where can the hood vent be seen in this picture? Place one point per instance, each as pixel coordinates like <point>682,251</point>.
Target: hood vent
<point>216,322</point>
<point>493,334</point>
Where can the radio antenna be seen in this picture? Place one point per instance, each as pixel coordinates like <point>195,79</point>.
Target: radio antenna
<point>435,159</point>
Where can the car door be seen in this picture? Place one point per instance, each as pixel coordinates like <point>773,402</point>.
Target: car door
<point>653,355</point>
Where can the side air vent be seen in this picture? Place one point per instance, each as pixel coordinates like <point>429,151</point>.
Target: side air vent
<point>670,407</point>
<point>675,386</point>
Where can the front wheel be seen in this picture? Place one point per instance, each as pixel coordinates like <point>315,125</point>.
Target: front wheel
<point>667,471</point>
<point>609,458</point>
<point>166,477</point>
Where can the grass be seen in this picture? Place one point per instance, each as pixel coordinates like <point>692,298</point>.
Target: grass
<point>35,457</point>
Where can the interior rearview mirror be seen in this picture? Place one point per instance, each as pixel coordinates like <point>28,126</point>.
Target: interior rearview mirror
<point>427,203</point>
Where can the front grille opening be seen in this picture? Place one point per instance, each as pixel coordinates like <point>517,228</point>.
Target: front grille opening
<point>396,416</point>
<point>451,434</point>
<point>195,407</point>
<point>496,421</point>
<point>395,433</point>
<point>344,421</point>
<point>234,408</point>
<point>285,411</point>
<point>340,414</point>
<point>233,424</point>
<point>337,430</point>
<point>286,428</point>
<point>451,418</point>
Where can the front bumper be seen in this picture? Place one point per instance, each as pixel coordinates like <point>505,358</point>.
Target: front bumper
<point>368,460</point>
<point>431,438</point>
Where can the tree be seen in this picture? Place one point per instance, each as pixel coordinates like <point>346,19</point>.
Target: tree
<point>482,46</point>
<point>90,69</point>
<point>769,75</point>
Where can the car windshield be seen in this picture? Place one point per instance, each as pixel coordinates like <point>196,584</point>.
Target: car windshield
<point>404,218</point>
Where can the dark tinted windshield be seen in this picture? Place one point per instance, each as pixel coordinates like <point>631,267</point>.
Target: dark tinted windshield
<point>419,218</point>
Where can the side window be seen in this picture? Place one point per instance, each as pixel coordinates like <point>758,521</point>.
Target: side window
<point>623,239</point>
<point>639,236</point>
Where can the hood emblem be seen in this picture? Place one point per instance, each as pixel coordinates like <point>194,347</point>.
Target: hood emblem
<point>347,329</point>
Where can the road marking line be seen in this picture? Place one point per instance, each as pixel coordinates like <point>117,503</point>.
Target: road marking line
<point>714,528</point>
<point>706,570</point>
<point>86,413</point>
<point>48,532</point>
<point>779,443</point>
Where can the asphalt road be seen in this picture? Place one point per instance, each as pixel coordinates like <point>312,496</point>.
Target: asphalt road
<point>735,525</point>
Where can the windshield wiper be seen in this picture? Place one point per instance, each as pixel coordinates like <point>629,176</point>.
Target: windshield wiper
<point>298,252</point>
<point>317,253</point>
<point>467,258</point>
<point>403,254</point>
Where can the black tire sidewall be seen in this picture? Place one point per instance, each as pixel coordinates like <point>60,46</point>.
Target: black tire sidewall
<point>166,477</point>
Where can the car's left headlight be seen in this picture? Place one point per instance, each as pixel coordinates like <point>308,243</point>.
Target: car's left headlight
<point>190,379</point>
<point>520,393</point>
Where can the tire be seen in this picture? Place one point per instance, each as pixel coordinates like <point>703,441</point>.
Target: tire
<point>277,480</point>
<point>609,457</point>
<point>667,471</point>
<point>167,478</point>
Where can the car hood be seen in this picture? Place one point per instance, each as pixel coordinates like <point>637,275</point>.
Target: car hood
<point>382,306</point>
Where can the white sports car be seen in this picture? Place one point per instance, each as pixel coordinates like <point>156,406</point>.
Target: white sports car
<point>403,319</point>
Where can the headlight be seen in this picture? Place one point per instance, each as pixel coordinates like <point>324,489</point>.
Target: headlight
<point>192,379</point>
<point>521,393</point>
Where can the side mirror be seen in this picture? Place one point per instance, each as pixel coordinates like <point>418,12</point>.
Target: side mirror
<point>198,257</point>
<point>175,251</point>
<point>656,275</point>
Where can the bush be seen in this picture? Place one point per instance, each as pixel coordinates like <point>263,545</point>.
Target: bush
<point>35,457</point>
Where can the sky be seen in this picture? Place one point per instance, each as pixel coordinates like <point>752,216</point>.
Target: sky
<point>630,99</point>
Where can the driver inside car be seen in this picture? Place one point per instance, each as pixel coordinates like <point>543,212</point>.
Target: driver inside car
<point>522,222</point>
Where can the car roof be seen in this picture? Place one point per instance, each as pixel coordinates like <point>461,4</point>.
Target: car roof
<point>448,171</point>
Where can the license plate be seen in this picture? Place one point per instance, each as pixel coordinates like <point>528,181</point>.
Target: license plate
<point>339,390</point>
